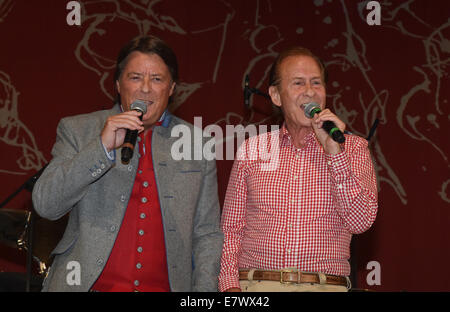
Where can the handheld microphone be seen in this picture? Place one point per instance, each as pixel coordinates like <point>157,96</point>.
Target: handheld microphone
<point>313,108</point>
<point>131,135</point>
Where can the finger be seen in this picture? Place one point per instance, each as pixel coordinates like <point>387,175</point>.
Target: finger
<point>317,122</point>
<point>325,115</point>
<point>126,121</point>
<point>123,122</point>
<point>131,113</point>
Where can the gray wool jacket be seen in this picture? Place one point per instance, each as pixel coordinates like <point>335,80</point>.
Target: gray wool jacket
<point>82,181</point>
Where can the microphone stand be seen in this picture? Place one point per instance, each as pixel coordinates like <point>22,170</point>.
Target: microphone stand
<point>28,185</point>
<point>249,91</point>
<point>258,92</point>
<point>372,129</point>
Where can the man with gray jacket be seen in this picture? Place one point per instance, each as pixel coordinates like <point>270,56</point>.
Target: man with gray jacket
<point>151,224</point>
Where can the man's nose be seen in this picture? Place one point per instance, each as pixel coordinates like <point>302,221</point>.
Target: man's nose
<point>146,85</point>
<point>309,90</point>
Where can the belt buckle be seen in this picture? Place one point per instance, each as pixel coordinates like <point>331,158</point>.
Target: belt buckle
<point>289,271</point>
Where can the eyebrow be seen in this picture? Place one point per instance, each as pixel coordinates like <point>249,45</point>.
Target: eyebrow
<point>312,78</point>
<point>141,74</point>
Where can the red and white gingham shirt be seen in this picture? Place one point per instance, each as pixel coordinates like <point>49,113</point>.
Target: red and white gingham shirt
<point>295,208</point>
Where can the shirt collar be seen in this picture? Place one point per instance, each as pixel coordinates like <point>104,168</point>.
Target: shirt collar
<point>286,138</point>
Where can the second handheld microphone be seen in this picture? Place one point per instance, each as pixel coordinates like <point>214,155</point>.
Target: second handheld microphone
<point>131,135</point>
<point>313,108</point>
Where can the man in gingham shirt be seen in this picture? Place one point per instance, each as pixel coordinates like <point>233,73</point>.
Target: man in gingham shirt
<point>295,196</point>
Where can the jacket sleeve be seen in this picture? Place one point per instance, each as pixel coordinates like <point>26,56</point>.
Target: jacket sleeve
<point>73,168</point>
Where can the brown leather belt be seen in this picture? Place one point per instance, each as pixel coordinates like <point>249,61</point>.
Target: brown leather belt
<point>292,277</point>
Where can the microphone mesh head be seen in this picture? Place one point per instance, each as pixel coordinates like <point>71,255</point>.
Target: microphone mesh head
<point>139,105</point>
<point>309,108</point>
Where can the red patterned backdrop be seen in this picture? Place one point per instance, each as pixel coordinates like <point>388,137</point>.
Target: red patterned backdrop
<point>396,72</point>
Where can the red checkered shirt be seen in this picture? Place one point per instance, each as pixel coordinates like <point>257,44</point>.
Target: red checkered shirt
<point>295,208</point>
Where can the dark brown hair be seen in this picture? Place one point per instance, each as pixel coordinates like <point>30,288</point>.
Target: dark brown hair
<point>147,44</point>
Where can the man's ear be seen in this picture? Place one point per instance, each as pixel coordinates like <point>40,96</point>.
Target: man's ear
<point>172,88</point>
<point>275,95</point>
<point>118,86</point>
